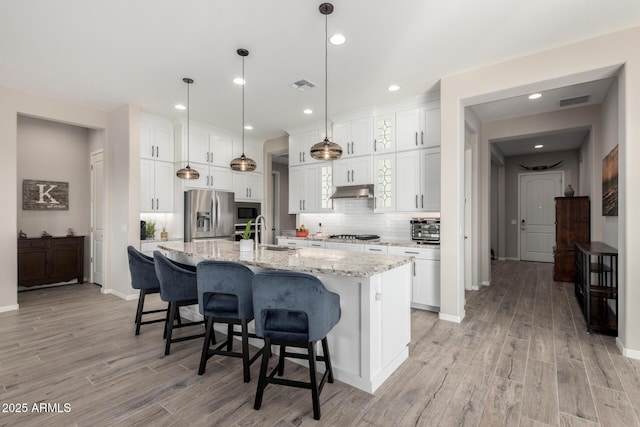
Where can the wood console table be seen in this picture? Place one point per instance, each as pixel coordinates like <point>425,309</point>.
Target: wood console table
<point>50,260</point>
<point>596,285</point>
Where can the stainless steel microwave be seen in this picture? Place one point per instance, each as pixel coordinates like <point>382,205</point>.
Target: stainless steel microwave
<point>246,212</point>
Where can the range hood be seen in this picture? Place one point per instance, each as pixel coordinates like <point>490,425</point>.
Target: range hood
<point>354,192</point>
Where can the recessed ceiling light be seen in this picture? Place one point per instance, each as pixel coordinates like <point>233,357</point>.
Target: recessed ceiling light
<point>393,88</point>
<point>535,95</point>
<point>248,127</point>
<point>538,146</point>
<point>308,111</point>
<point>337,39</point>
<point>180,107</point>
<point>239,81</point>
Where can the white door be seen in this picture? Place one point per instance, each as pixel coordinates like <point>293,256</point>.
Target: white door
<point>467,219</point>
<point>97,217</point>
<point>537,215</point>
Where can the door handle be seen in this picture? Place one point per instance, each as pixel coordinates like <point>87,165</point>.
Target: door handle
<point>523,226</point>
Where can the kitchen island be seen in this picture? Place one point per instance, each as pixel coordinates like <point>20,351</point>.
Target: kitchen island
<point>371,340</point>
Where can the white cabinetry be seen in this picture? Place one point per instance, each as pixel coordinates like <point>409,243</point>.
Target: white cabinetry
<point>310,188</point>
<point>247,186</point>
<point>385,183</point>
<point>376,249</point>
<point>297,243</point>
<point>156,164</point>
<point>349,247</point>
<point>419,173</point>
<point>316,243</point>
<point>209,152</point>
<point>352,171</point>
<point>355,136</point>
<point>418,128</point>
<point>252,149</point>
<point>425,289</point>
<point>300,147</point>
<point>384,133</point>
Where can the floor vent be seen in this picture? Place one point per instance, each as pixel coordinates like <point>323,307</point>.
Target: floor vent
<point>302,85</point>
<point>573,101</point>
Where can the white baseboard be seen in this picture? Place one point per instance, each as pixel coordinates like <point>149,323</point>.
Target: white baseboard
<point>627,352</point>
<point>126,297</point>
<point>486,283</point>
<point>450,317</point>
<point>9,308</point>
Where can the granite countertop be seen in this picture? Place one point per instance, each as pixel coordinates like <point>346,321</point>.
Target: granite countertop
<point>308,260</point>
<point>407,243</point>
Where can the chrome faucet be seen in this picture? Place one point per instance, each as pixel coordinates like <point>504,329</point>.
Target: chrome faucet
<point>261,221</point>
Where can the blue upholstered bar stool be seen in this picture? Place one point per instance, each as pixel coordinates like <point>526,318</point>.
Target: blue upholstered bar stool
<point>143,278</point>
<point>294,310</point>
<point>178,287</point>
<point>225,296</point>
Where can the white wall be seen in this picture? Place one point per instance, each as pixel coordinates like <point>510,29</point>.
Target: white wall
<point>580,62</point>
<point>287,221</point>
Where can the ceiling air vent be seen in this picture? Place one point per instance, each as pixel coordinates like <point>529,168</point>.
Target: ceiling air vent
<point>302,85</point>
<point>573,101</point>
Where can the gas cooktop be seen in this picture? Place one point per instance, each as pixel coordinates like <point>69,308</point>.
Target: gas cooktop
<point>354,236</point>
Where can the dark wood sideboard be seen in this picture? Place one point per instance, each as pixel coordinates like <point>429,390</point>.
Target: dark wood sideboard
<point>48,260</point>
<point>573,225</point>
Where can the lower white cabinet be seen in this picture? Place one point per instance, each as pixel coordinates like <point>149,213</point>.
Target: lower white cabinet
<point>350,247</point>
<point>298,243</point>
<point>425,288</point>
<point>316,244</point>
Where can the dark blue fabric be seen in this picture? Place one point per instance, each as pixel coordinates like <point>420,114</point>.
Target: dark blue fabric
<point>178,282</point>
<point>293,306</point>
<point>224,290</point>
<point>143,271</point>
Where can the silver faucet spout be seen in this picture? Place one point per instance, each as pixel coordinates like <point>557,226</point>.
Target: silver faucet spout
<point>261,226</point>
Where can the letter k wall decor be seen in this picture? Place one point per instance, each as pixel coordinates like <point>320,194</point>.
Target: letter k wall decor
<point>45,195</point>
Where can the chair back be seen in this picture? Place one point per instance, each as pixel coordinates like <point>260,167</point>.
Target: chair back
<point>292,306</point>
<point>225,289</point>
<point>178,282</point>
<point>142,269</point>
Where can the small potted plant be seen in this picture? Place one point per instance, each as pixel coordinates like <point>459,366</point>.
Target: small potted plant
<point>246,243</point>
<point>151,229</point>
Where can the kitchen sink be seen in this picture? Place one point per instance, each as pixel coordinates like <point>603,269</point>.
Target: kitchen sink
<point>278,248</point>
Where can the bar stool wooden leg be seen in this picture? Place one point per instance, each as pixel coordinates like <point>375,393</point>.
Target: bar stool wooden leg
<point>262,379</point>
<point>315,395</point>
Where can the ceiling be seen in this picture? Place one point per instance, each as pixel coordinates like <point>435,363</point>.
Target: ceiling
<point>106,54</point>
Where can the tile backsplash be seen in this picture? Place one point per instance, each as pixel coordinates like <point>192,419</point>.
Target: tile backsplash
<point>356,216</point>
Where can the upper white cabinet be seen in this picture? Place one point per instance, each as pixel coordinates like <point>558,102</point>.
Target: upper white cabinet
<point>352,171</point>
<point>300,147</point>
<point>156,164</point>
<point>384,133</point>
<point>156,138</point>
<point>207,145</point>
<point>156,186</point>
<point>252,149</point>
<point>418,128</point>
<point>385,182</point>
<point>355,136</point>
<point>310,188</point>
<point>419,173</point>
<point>247,186</point>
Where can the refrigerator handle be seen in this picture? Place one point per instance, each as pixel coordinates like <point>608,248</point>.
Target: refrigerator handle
<point>217,201</point>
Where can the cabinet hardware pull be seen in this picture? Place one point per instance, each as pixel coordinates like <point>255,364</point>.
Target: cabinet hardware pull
<point>304,158</point>
<point>158,204</point>
<point>374,145</point>
<point>375,250</point>
<point>412,253</point>
<point>352,179</point>
<point>416,138</point>
<point>378,297</point>
<point>249,192</point>
<point>422,137</point>
<point>300,157</point>
<point>152,151</point>
<point>416,201</point>
<point>152,203</point>
<point>304,205</point>
<point>422,200</point>
<point>157,151</point>
<point>352,151</point>
<point>207,154</point>
<point>348,176</point>
<point>300,203</point>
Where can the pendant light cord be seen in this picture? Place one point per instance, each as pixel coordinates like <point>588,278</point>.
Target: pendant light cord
<point>188,123</point>
<point>326,77</point>
<point>244,82</point>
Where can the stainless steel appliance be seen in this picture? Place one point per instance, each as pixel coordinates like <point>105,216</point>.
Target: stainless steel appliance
<point>246,211</point>
<point>208,214</point>
<point>425,230</point>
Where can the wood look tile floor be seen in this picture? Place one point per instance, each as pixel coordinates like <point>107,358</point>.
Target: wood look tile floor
<point>521,357</point>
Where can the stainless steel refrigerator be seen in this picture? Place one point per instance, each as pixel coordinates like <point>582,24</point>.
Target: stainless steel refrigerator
<point>208,214</point>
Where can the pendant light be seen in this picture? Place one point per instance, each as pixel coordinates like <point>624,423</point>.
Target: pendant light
<point>326,150</point>
<point>187,172</point>
<point>243,163</point>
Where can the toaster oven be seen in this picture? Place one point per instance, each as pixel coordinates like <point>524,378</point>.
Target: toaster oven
<point>425,230</point>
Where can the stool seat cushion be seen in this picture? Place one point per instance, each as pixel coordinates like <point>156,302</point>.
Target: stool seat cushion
<point>285,325</point>
<point>219,305</point>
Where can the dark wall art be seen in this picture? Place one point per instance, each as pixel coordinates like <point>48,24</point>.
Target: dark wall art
<point>610,183</point>
<point>45,195</point>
